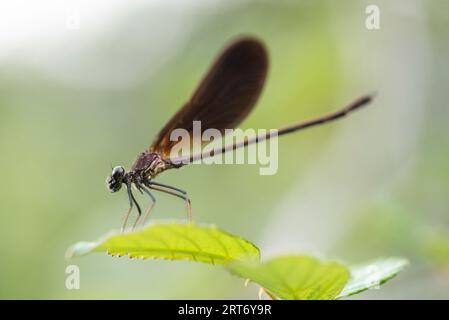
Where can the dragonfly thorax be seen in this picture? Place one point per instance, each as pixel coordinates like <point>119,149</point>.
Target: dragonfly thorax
<point>148,165</point>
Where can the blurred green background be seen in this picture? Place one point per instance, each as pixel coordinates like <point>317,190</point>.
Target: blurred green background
<point>76,97</point>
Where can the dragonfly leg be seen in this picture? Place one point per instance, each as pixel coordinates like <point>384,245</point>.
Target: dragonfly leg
<point>125,218</point>
<point>150,207</point>
<point>173,191</point>
<point>132,201</point>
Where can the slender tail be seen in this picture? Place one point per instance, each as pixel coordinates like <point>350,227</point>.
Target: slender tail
<point>340,113</point>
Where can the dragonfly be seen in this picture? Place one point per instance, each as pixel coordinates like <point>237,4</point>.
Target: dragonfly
<point>223,99</point>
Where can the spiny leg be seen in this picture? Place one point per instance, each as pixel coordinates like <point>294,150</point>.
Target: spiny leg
<point>132,201</point>
<point>150,208</point>
<point>150,182</point>
<point>125,219</point>
<point>139,211</point>
<point>183,195</point>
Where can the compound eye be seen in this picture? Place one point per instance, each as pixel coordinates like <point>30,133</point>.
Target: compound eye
<point>116,187</point>
<point>118,171</point>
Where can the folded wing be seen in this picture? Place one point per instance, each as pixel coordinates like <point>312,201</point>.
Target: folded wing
<point>225,96</point>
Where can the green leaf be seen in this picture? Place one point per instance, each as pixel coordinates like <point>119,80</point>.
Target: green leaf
<point>173,241</point>
<point>296,277</point>
<point>372,275</point>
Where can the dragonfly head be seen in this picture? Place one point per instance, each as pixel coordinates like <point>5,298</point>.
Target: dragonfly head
<point>115,180</point>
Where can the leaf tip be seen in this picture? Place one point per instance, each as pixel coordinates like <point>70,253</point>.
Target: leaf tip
<point>80,249</point>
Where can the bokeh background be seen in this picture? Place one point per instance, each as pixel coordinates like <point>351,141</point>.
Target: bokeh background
<point>85,85</point>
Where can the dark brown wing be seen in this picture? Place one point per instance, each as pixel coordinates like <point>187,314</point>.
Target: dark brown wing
<point>225,96</point>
